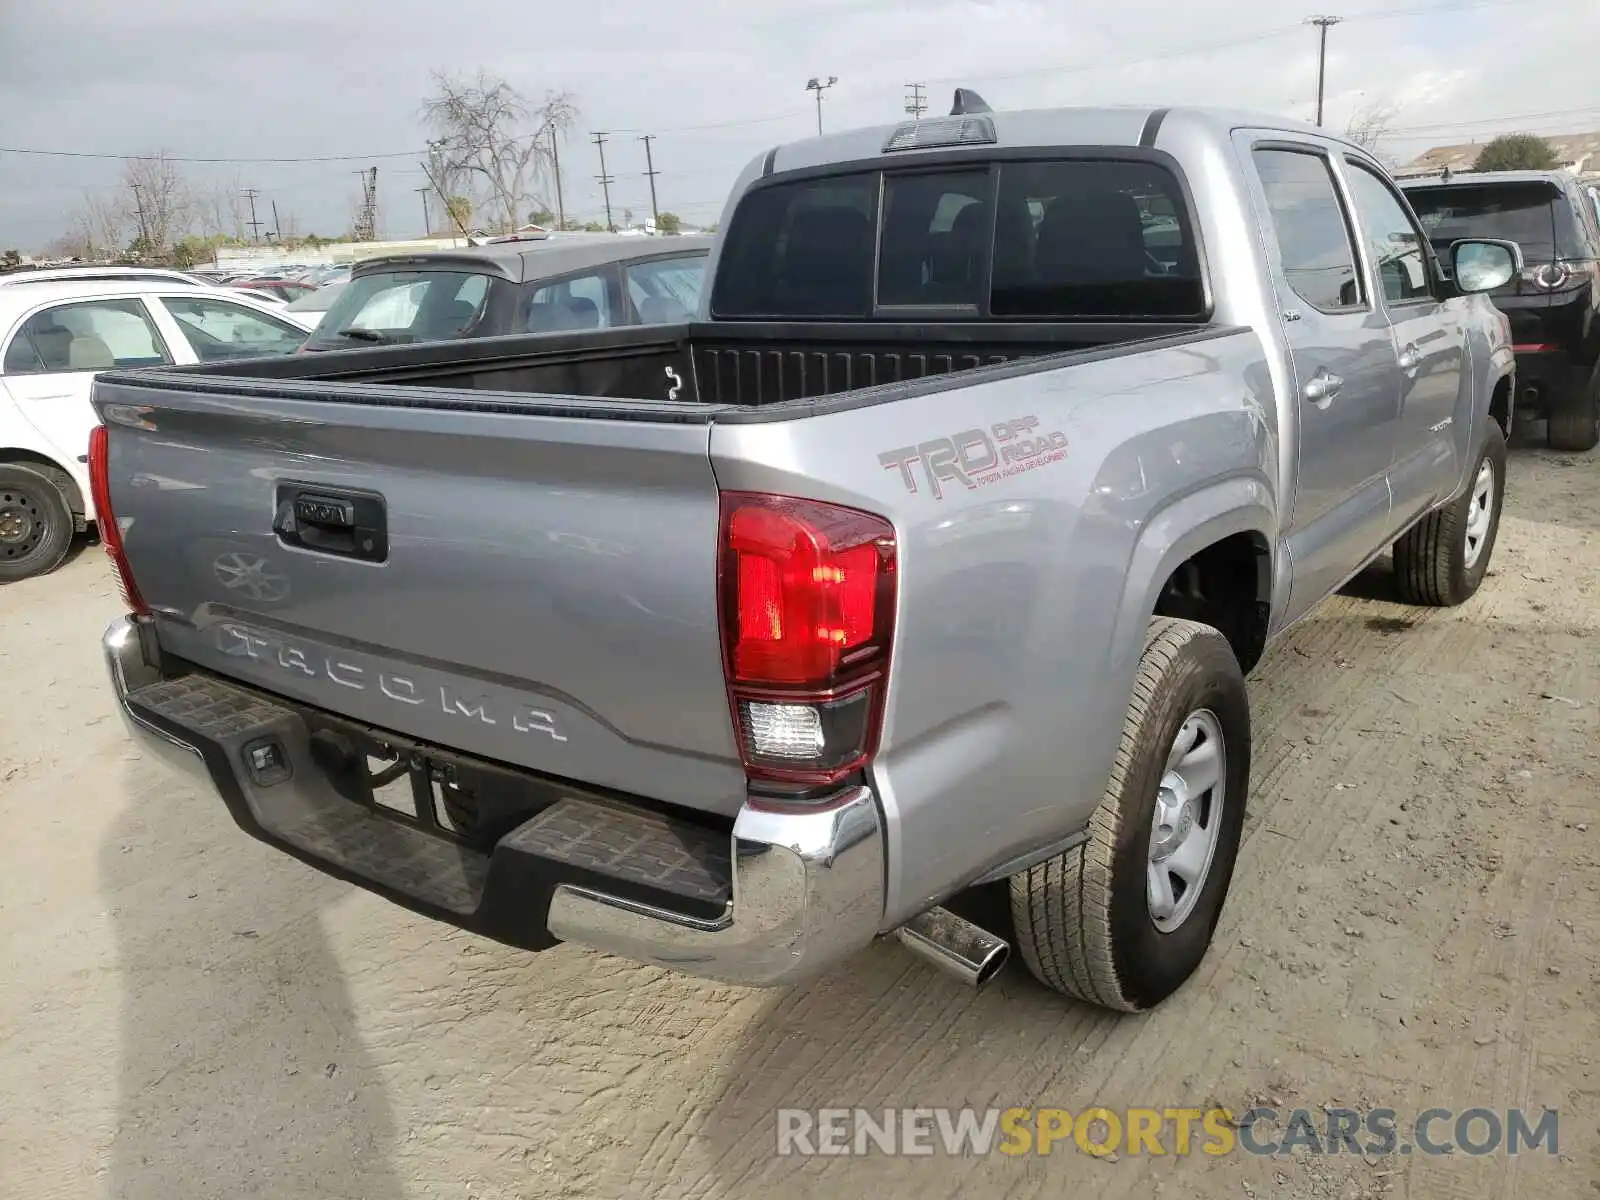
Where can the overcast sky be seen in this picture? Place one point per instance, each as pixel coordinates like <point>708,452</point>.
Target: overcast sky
<point>717,82</point>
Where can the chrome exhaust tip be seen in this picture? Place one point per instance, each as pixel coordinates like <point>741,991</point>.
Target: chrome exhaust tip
<point>955,945</point>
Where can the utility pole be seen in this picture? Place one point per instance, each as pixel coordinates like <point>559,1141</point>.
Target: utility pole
<point>915,104</point>
<point>650,170</point>
<point>555,161</point>
<point>817,86</point>
<point>138,203</point>
<point>250,194</point>
<point>427,225</point>
<point>449,209</point>
<point>605,180</point>
<point>277,225</point>
<point>366,229</point>
<point>1322,24</point>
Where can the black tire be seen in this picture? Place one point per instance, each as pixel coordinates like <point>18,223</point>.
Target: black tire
<point>1083,919</point>
<point>36,523</point>
<point>1430,559</point>
<point>1574,423</point>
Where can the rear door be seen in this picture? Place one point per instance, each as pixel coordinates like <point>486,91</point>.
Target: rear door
<point>216,330</point>
<point>1344,365</point>
<point>1430,345</point>
<point>51,356</point>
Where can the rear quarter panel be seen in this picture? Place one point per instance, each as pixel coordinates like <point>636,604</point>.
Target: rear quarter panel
<point>1024,590</point>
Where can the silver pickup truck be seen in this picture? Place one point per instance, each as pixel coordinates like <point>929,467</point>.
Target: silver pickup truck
<point>926,564</point>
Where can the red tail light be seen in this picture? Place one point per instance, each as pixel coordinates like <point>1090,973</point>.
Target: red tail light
<point>807,595</point>
<point>106,521</point>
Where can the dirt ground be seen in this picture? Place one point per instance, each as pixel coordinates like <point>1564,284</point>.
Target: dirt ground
<point>186,1013</point>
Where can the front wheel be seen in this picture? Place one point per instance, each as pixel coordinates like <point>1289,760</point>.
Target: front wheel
<point>1442,559</point>
<point>36,523</point>
<point>1125,918</point>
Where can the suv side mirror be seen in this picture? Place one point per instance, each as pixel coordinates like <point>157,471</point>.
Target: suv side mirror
<point>1482,266</point>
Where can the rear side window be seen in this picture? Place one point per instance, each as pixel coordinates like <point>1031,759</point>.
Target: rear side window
<point>92,335</point>
<point>405,306</point>
<point>1080,239</point>
<point>1308,221</point>
<point>581,302</point>
<point>666,290</point>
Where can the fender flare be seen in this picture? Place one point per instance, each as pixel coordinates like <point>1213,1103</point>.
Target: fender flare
<point>1175,533</point>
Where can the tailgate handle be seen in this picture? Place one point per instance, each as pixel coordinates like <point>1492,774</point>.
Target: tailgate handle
<point>336,521</point>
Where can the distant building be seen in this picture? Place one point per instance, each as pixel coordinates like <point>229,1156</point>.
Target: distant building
<point>1576,152</point>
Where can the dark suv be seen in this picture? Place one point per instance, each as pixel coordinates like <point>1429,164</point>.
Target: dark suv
<point>1554,307</point>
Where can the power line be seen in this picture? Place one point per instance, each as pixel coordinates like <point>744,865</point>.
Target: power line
<point>1540,116</point>
<point>1085,66</point>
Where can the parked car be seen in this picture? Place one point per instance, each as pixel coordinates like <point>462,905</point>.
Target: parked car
<point>516,287</point>
<point>284,289</point>
<point>55,335</point>
<point>1554,302</point>
<point>933,558</point>
<point>314,305</point>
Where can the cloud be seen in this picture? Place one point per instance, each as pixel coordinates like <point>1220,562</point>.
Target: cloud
<point>302,78</point>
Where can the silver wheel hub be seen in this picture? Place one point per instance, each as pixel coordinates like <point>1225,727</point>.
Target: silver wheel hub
<point>1188,820</point>
<point>1480,512</point>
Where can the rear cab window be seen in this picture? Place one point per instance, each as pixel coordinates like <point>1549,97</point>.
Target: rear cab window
<point>395,306</point>
<point>1060,238</point>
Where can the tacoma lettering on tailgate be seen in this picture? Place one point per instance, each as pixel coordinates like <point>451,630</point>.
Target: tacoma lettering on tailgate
<point>273,650</point>
<point>976,458</point>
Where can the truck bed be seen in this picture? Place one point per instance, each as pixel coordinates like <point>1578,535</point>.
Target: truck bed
<point>735,364</point>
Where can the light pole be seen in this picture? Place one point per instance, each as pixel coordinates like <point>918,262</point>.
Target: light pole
<point>1322,24</point>
<point>817,86</point>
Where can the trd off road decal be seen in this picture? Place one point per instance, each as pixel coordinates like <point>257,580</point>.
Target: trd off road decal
<point>976,458</point>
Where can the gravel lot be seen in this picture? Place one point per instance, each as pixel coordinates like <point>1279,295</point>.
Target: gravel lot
<point>185,1013</point>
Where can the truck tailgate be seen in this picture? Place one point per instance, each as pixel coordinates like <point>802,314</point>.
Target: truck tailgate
<point>538,590</point>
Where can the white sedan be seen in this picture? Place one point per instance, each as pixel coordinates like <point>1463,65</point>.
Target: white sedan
<point>54,336</point>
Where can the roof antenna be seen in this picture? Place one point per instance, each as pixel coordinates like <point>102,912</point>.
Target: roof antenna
<point>967,102</point>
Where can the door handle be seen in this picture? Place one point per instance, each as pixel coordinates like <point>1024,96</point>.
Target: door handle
<point>1323,387</point>
<point>1410,359</point>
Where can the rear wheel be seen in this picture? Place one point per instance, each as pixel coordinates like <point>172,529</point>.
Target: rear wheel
<point>1125,918</point>
<point>1442,559</point>
<point>36,523</point>
<point>1574,424</point>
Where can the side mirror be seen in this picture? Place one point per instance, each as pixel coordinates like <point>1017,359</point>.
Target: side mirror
<point>1482,266</point>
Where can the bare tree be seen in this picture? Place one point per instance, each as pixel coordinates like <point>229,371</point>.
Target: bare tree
<point>220,211</point>
<point>100,227</point>
<point>487,129</point>
<point>162,203</point>
<point>1372,122</point>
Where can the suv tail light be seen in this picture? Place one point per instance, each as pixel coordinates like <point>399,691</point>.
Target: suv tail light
<point>106,521</point>
<point>1561,276</point>
<point>807,599</point>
